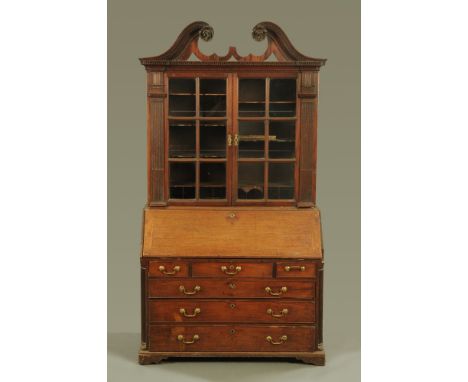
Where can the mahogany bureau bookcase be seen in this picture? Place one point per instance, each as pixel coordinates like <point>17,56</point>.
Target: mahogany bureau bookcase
<point>232,255</point>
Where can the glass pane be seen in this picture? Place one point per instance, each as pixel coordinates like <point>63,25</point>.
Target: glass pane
<point>251,97</point>
<point>182,97</point>
<point>251,139</point>
<point>213,139</point>
<point>182,180</point>
<point>212,180</point>
<point>250,180</point>
<point>182,139</point>
<point>212,98</point>
<point>282,97</point>
<point>281,180</point>
<point>282,139</point>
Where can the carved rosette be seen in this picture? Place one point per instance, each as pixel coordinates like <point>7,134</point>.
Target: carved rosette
<point>259,32</point>
<point>206,33</point>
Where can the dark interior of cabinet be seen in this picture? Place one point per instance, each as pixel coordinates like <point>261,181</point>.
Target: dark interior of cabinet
<point>182,97</point>
<point>282,97</point>
<point>182,180</point>
<point>265,141</point>
<point>212,97</point>
<point>252,97</point>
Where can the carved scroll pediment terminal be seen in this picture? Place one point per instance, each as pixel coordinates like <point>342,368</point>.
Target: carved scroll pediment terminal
<point>186,45</point>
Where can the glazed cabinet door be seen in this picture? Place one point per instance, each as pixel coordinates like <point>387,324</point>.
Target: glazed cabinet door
<point>265,130</point>
<point>198,135</point>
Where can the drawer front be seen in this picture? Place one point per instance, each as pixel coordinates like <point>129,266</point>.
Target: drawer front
<point>168,269</point>
<point>212,288</point>
<point>218,338</point>
<point>232,311</point>
<point>229,269</point>
<point>307,269</point>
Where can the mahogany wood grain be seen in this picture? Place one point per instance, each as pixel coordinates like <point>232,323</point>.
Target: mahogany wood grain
<point>264,311</point>
<point>232,232</point>
<point>296,269</point>
<point>219,338</point>
<point>230,287</point>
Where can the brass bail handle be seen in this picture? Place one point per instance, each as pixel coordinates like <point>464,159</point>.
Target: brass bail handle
<point>289,268</point>
<point>283,313</point>
<point>280,292</point>
<point>185,314</point>
<point>194,339</point>
<point>232,270</point>
<point>282,340</point>
<point>195,290</point>
<point>162,269</point>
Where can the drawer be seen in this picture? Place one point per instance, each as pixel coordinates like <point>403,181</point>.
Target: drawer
<point>265,311</point>
<point>167,269</point>
<point>228,268</point>
<point>231,287</point>
<point>296,269</point>
<point>239,338</point>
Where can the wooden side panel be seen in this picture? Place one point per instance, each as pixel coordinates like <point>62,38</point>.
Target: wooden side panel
<point>308,138</point>
<point>218,233</point>
<point>156,95</point>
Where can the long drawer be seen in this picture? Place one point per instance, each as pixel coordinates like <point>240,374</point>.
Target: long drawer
<point>265,311</point>
<point>212,288</point>
<point>231,338</point>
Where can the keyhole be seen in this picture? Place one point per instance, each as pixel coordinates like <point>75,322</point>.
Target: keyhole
<point>232,285</point>
<point>233,331</point>
<point>232,306</point>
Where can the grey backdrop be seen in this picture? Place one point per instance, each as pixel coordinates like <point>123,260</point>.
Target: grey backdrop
<point>325,29</point>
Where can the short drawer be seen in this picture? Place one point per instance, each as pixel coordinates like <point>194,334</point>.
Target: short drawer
<point>230,287</point>
<point>265,311</point>
<point>306,269</point>
<point>239,338</point>
<point>238,269</point>
<point>168,269</point>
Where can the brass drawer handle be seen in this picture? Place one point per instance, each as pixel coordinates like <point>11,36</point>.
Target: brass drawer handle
<point>235,272</point>
<point>282,340</point>
<point>185,314</point>
<point>194,339</point>
<point>288,268</point>
<point>162,269</point>
<point>229,140</point>
<point>195,290</point>
<point>236,140</point>
<point>283,313</point>
<point>279,293</point>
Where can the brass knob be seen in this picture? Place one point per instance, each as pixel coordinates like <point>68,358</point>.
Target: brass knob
<point>280,292</point>
<point>162,269</point>
<point>282,340</point>
<point>232,215</point>
<point>185,314</point>
<point>195,290</point>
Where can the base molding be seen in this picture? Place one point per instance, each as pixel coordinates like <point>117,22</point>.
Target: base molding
<point>312,358</point>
